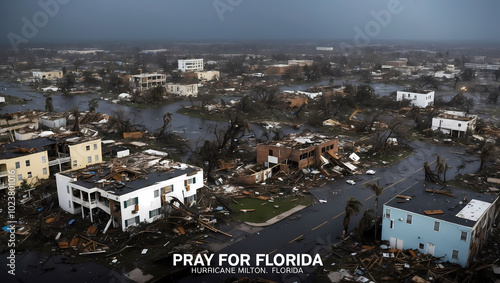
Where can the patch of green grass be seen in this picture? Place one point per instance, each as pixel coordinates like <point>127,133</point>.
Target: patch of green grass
<point>265,210</point>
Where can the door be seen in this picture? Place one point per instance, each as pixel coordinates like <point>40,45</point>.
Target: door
<point>430,248</point>
<point>399,244</point>
<point>396,243</point>
<point>392,242</point>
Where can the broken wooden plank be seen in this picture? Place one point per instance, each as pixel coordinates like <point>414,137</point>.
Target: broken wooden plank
<point>403,196</point>
<point>413,254</point>
<point>441,192</point>
<point>433,212</point>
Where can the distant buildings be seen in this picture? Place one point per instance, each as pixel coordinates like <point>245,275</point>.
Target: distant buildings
<point>203,75</point>
<point>454,123</point>
<point>277,70</point>
<point>319,48</point>
<point>190,65</point>
<point>183,89</point>
<point>142,82</point>
<point>417,98</point>
<point>300,63</point>
<point>138,190</point>
<point>448,223</point>
<point>51,76</point>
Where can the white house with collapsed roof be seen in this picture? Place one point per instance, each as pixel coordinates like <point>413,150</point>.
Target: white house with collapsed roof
<point>139,190</point>
<point>448,223</point>
<point>454,123</point>
<point>418,98</point>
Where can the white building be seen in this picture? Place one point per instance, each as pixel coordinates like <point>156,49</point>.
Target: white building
<point>52,75</point>
<point>2,99</point>
<point>420,99</point>
<point>300,63</point>
<point>190,65</point>
<point>183,90</point>
<point>454,123</point>
<point>141,82</point>
<point>129,194</point>
<point>208,75</point>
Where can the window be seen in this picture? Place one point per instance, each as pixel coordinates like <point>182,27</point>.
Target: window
<point>69,203</point>
<point>130,202</point>
<point>20,177</point>
<point>18,165</point>
<point>387,213</point>
<point>454,254</point>
<point>463,236</point>
<point>132,221</point>
<point>460,125</point>
<point>436,226</point>
<point>67,189</point>
<point>392,224</point>
<point>409,218</point>
<point>156,194</point>
<point>95,146</point>
<point>89,159</point>
<point>154,212</point>
<point>75,163</point>
<point>420,246</point>
<point>270,152</point>
<point>27,163</point>
<point>323,149</point>
<point>29,175</point>
<point>167,189</point>
<point>87,147</point>
<point>96,158</point>
<point>192,181</point>
<point>44,159</point>
<point>44,171</point>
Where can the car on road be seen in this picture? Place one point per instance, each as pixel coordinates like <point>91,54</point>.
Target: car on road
<point>370,172</point>
<point>351,182</point>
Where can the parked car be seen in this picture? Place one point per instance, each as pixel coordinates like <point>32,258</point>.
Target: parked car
<point>351,182</point>
<point>370,172</point>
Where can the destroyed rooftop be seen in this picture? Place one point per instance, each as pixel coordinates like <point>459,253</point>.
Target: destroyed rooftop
<point>101,175</point>
<point>455,209</point>
<point>414,90</point>
<point>9,150</point>
<point>301,140</point>
<point>468,117</point>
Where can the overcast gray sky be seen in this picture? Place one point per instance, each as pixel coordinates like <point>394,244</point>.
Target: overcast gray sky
<point>172,20</point>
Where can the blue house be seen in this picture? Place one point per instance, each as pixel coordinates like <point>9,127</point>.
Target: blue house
<point>448,223</point>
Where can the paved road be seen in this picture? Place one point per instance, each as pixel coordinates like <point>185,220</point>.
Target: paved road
<point>320,225</point>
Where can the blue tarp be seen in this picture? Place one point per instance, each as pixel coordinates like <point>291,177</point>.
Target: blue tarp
<point>6,228</point>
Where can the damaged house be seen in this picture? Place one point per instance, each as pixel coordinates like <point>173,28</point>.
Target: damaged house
<point>454,123</point>
<point>31,159</point>
<point>448,223</point>
<point>131,190</point>
<point>295,151</point>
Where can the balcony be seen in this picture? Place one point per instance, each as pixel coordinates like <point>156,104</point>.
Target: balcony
<point>4,173</point>
<point>63,158</point>
<point>3,186</point>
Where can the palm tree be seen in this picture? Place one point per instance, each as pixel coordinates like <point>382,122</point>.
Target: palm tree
<point>378,190</point>
<point>167,119</point>
<point>76,113</point>
<point>157,93</point>
<point>352,207</point>
<point>369,217</point>
<point>486,151</point>
<point>48,104</point>
<point>93,105</point>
